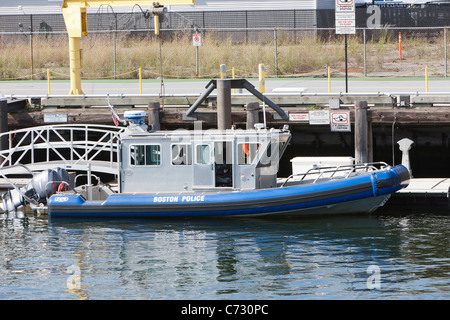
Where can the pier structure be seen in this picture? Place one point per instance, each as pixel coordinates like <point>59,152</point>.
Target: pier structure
<point>416,108</point>
<point>366,111</point>
<point>72,147</point>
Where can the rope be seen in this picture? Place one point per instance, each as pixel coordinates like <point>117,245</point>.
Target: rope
<point>23,77</point>
<point>217,75</point>
<point>390,77</point>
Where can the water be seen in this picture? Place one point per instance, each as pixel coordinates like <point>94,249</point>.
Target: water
<point>389,256</point>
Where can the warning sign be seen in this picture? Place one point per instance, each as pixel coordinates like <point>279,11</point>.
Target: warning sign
<point>344,5</point>
<point>345,17</point>
<point>197,39</point>
<point>340,121</point>
<point>298,116</point>
<point>318,117</point>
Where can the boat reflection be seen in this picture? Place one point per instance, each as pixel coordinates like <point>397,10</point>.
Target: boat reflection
<point>163,257</point>
<point>224,258</point>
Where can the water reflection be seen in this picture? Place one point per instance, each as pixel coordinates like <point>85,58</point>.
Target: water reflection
<point>424,252</point>
<point>223,258</point>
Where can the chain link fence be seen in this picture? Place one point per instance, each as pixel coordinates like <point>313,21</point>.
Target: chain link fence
<point>290,43</point>
<point>106,19</point>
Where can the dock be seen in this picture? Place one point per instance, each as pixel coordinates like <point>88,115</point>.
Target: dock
<point>432,187</point>
<point>423,192</point>
<point>422,117</point>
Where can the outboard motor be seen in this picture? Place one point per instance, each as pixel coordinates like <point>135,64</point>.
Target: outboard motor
<point>39,189</point>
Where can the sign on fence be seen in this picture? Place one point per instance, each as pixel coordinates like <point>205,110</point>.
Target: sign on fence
<point>197,39</point>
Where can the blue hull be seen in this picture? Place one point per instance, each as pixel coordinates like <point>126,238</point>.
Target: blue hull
<point>350,193</point>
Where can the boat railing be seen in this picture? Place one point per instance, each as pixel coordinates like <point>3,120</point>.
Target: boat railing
<point>86,175</point>
<point>330,172</point>
<point>59,183</point>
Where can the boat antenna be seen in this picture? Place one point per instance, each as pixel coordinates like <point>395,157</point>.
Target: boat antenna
<point>162,92</point>
<point>264,111</point>
<point>114,115</point>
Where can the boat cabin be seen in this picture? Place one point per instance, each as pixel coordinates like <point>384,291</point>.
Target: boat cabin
<point>200,160</point>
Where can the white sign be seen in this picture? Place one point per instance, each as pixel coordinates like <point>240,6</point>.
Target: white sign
<point>345,17</point>
<point>197,39</point>
<point>298,116</point>
<point>345,6</point>
<point>340,121</point>
<point>317,117</point>
<point>55,117</point>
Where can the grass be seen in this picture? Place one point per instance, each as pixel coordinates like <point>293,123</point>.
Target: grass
<point>297,55</point>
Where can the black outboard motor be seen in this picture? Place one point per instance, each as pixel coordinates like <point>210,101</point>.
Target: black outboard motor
<point>38,190</point>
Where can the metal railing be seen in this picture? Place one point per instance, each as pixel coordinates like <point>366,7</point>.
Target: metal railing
<point>330,172</point>
<point>72,147</point>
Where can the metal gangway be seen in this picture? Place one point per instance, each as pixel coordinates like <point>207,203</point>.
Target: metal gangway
<point>72,147</point>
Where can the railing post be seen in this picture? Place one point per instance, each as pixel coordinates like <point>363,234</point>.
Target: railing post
<point>3,123</point>
<point>262,78</point>
<point>140,80</point>
<point>329,79</point>
<point>365,52</point>
<point>48,81</point>
<point>445,52</point>
<point>275,40</point>
<point>223,71</point>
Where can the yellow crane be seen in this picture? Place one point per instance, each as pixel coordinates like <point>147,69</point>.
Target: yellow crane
<point>75,18</point>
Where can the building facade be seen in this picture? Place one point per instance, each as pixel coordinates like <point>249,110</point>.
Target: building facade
<point>14,7</point>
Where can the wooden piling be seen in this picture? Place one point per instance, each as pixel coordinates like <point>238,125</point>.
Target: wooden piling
<point>252,114</point>
<point>3,122</point>
<point>363,134</point>
<point>223,104</point>
<point>153,115</point>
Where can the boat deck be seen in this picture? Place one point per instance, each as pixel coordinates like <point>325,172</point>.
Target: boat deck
<point>5,185</point>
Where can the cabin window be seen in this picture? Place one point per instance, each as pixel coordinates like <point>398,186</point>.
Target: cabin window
<point>181,154</point>
<point>247,152</point>
<point>145,155</point>
<point>203,154</point>
<point>223,163</point>
<point>273,152</point>
<point>223,152</point>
